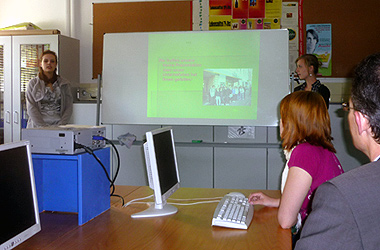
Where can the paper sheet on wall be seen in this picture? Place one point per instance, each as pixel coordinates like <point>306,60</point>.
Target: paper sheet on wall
<point>200,15</point>
<point>289,14</point>
<point>289,20</point>
<point>242,132</point>
<point>273,8</point>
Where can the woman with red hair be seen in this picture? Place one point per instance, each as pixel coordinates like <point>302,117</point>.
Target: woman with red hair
<point>306,139</point>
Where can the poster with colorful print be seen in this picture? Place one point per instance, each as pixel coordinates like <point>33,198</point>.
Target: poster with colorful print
<point>240,9</point>
<point>273,8</point>
<point>239,24</point>
<point>318,42</point>
<point>255,23</point>
<point>220,7</point>
<point>271,23</point>
<point>256,9</point>
<point>219,22</point>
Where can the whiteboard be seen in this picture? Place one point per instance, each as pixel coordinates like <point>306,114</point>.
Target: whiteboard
<point>229,78</point>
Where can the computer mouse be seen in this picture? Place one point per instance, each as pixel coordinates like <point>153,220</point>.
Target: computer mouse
<point>236,194</point>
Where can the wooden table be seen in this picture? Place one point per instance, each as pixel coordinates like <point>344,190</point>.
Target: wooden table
<point>189,228</point>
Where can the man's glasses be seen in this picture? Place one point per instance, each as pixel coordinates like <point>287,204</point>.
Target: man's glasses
<point>346,106</point>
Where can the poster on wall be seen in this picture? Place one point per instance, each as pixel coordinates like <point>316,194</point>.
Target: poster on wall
<point>272,23</point>
<point>240,9</point>
<point>200,15</point>
<point>318,42</point>
<point>273,8</point>
<point>244,14</point>
<point>220,14</point>
<point>220,22</point>
<point>255,23</point>
<point>256,9</point>
<point>220,7</point>
<point>289,20</point>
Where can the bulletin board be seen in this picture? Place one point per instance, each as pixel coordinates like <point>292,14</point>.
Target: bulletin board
<point>136,17</point>
<point>354,25</point>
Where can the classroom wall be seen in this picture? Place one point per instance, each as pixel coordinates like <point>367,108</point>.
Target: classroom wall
<point>72,17</point>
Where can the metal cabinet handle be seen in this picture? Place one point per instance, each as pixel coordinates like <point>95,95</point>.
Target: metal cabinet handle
<point>16,117</point>
<point>8,117</point>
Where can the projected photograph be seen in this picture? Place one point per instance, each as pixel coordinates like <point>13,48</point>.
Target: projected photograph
<point>227,87</point>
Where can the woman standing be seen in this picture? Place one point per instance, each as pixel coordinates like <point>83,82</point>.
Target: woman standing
<point>306,139</point>
<point>307,69</point>
<point>49,100</point>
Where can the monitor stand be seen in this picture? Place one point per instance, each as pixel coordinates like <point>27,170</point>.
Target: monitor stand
<point>155,210</point>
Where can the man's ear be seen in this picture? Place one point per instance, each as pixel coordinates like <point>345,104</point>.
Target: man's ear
<point>362,122</point>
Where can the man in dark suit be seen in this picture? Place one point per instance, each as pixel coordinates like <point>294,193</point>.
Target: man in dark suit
<point>346,210</point>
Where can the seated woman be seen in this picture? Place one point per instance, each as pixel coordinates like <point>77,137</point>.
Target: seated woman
<point>306,139</point>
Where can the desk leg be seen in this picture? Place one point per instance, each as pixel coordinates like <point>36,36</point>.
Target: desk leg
<point>93,185</point>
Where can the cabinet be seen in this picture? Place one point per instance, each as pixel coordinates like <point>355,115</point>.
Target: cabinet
<point>73,183</point>
<point>19,63</point>
<point>217,162</point>
<point>5,78</point>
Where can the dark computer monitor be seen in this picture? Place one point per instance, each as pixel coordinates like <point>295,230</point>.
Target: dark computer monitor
<point>19,216</point>
<point>162,170</point>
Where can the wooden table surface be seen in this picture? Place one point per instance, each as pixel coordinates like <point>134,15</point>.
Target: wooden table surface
<point>189,228</point>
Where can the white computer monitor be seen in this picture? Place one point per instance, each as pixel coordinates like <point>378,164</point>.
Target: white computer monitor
<point>162,171</point>
<point>19,214</point>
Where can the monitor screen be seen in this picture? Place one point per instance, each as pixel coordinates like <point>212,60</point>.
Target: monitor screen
<point>162,170</point>
<point>19,208</point>
<point>166,161</point>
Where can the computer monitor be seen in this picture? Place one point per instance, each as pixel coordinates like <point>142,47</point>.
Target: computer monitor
<point>162,170</point>
<point>19,215</point>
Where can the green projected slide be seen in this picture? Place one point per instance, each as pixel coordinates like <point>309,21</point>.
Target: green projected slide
<point>203,75</point>
<point>219,78</point>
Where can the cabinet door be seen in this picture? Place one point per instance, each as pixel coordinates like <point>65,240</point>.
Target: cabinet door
<point>195,166</point>
<point>26,53</point>
<point>276,163</point>
<point>132,169</point>
<point>5,88</point>
<point>242,168</point>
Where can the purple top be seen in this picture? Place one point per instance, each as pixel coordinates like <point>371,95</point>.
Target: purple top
<point>320,163</point>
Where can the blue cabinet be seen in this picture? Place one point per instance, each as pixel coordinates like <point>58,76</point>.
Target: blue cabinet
<point>73,183</point>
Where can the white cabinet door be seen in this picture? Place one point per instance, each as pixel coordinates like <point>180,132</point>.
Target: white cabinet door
<point>5,87</point>
<point>25,65</point>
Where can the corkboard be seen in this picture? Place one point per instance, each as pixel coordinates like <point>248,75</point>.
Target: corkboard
<point>136,17</point>
<point>355,25</point>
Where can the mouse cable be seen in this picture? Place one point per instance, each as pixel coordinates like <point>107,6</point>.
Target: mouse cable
<point>137,199</point>
<point>193,203</point>
<point>195,199</point>
<point>205,200</point>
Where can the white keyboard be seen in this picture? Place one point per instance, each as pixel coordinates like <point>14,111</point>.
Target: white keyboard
<point>233,211</point>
